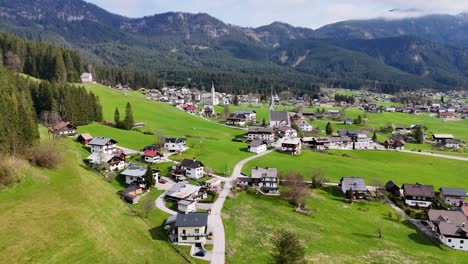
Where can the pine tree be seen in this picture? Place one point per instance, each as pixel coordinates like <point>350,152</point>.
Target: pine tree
<point>264,122</point>
<point>374,137</point>
<point>149,178</point>
<point>128,121</point>
<point>329,129</point>
<point>235,101</point>
<point>419,135</point>
<point>117,117</point>
<point>288,249</point>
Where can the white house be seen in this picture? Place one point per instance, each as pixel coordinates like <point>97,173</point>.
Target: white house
<point>418,195</point>
<point>186,206</point>
<point>257,146</point>
<point>287,132</point>
<point>450,227</point>
<point>151,156</point>
<point>86,77</point>
<point>102,145</point>
<point>250,116</point>
<point>291,146</point>
<point>452,143</point>
<point>134,175</point>
<point>279,119</point>
<point>175,144</point>
<point>189,228</point>
<point>191,168</point>
<point>261,133</point>
<point>111,162</point>
<point>304,126</point>
<point>63,129</point>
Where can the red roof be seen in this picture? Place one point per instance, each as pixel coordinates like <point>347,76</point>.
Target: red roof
<point>446,114</point>
<point>191,108</point>
<point>151,153</point>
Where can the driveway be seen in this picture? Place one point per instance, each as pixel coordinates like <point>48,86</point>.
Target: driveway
<point>162,206</point>
<point>215,221</point>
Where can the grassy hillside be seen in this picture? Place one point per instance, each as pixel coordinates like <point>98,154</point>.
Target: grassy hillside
<point>383,165</point>
<point>70,215</point>
<point>208,142</point>
<point>335,233</point>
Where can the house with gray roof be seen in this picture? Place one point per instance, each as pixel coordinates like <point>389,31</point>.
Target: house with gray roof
<point>250,115</point>
<point>356,185</point>
<point>279,119</point>
<point>453,196</point>
<point>264,179</point>
<point>450,227</point>
<point>189,228</point>
<point>102,145</point>
<point>257,146</point>
<point>191,168</point>
<point>184,191</point>
<point>134,175</point>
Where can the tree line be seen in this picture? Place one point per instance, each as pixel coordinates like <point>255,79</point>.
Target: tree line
<point>25,101</point>
<point>39,59</point>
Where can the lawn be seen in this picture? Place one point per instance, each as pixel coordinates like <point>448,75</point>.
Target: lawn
<point>383,165</point>
<point>71,215</point>
<point>208,142</point>
<point>335,233</point>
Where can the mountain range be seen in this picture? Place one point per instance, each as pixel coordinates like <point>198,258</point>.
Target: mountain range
<point>381,54</point>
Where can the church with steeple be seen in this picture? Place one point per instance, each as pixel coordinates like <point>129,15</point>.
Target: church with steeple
<point>210,98</point>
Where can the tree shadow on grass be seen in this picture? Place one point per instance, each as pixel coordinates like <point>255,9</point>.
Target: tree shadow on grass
<point>365,235</point>
<point>420,238</point>
<point>244,149</point>
<point>158,232</point>
<point>334,192</point>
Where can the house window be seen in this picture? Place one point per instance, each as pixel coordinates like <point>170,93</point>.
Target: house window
<point>449,240</point>
<point>197,230</point>
<point>462,241</point>
<point>184,238</point>
<point>197,238</point>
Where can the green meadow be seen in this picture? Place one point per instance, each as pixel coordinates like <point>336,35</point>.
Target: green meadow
<point>71,215</point>
<point>382,165</point>
<point>336,232</point>
<point>210,143</point>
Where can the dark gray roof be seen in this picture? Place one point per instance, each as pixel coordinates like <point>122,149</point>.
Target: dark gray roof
<point>192,164</point>
<point>244,112</point>
<point>193,219</point>
<point>356,183</point>
<point>453,191</point>
<point>264,172</point>
<point>253,129</point>
<point>352,133</point>
<point>134,171</point>
<point>102,141</point>
<point>418,190</point>
<point>256,143</point>
<point>244,179</point>
<point>174,140</point>
<point>279,116</point>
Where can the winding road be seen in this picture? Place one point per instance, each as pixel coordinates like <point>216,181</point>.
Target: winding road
<point>215,221</point>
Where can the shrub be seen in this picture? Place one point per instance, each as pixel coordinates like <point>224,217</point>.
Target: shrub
<point>9,174</point>
<point>45,155</point>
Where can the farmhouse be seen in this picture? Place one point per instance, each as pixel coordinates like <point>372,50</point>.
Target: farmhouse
<point>279,119</point>
<point>152,156</point>
<point>355,185</point>
<point>63,129</point>
<point>347,121</point>
<point>320,143</point>
<point>291,146</point>
<point>418,194</point>
<point>361,138</point>
<point>263,179</point>
<point>261,133</point>
<point>84,139</point>
<point>175,144</point>
<point>450,227</point>
<point>86,77</point>
<point>191,168</point>
<point>134,175</point>
<point>453,196</point>
<point>452,143</point>
<point>442,138</point>
<point>102,145</point>
<point>304,126</point>
<point>191,109</point>
<point>112,162</point>
<point>257,146</point>
<point>395,143</point>
<point>190,228</point>
<point>236,120</point>
<point>340,143</point>
<point>446,115</point>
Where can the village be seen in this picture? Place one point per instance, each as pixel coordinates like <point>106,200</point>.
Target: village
<point>194,194</point>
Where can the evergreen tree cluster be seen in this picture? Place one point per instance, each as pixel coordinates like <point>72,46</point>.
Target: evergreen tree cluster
<point>128,121</point>
<point>18,125</point>
<point>40,60</point>
<point>72,103</point>
<point>349,99</point>
<point>136,79</point>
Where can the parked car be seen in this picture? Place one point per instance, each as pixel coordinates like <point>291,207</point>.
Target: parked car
<point>200,253</point>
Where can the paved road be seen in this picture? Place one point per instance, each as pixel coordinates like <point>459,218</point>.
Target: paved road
<point>434,155</point>
<point>161,205</point>
<point>215,221</point>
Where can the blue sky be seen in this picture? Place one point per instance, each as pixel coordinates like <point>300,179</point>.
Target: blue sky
<point>306,13</point>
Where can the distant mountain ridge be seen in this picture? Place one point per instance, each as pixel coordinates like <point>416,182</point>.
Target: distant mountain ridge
<point>178,45</point>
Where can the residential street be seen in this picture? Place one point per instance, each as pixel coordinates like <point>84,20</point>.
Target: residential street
<point>215,221</point>
<point>434,155</point>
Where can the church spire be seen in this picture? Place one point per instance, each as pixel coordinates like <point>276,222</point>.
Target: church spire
<point>272,102</point>
<point>213,94</point>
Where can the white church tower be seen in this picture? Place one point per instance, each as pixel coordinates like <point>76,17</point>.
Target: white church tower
<point>213,94</point>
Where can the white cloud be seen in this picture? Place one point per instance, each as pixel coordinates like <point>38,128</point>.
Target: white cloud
<point>311,13</point>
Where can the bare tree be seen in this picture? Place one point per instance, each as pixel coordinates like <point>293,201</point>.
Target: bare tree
<point>148,206</point>
<point>208,170</point>
<point>318,178</point>
<point>159,138</point>
<point>12,61</point>
<point>296,191</point>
